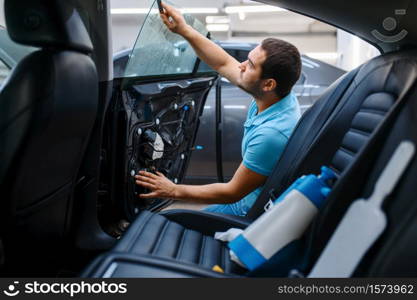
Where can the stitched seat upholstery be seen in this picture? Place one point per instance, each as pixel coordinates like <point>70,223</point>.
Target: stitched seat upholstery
<point>153,234</point>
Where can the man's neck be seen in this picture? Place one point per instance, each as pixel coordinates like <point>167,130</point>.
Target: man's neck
<point>266,101</point>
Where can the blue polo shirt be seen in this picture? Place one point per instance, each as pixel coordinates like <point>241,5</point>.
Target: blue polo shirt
<point>266,134</point>
<point>264,139</point>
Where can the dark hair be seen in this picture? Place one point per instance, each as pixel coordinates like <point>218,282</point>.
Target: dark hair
<point>282,63</point>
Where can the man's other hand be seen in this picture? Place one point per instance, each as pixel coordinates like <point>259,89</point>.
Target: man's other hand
<point>160,186</point>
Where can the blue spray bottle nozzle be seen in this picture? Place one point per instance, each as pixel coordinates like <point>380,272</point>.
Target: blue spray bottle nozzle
<point>327,174</point>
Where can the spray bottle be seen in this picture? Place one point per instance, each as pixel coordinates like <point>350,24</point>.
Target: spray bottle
<point>285,220</point>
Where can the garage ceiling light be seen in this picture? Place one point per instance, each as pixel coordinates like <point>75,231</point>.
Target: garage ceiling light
<point>218,27</point>
<point>200,10</point>
<point>252,9</point>
<point>217,19</point>
<point>142,11</point>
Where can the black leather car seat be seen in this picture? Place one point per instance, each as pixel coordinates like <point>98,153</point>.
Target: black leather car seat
<point>343,137</point>
<point>48,108</point>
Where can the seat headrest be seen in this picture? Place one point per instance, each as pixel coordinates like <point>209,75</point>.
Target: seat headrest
<point>46,23</point>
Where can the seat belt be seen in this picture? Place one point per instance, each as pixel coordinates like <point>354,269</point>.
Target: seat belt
<point>363,222</point>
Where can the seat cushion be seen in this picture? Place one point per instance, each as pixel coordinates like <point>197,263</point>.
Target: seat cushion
<point>48,109</point>
<point>155,235</point>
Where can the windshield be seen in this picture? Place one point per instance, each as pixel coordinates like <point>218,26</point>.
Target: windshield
<point>158,51</point>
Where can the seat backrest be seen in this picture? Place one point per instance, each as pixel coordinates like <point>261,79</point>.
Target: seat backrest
<point>394,253</point>
<point>48,108</point>
<point>359,102</point>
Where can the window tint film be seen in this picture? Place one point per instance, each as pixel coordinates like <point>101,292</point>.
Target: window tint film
<point>158,51</point>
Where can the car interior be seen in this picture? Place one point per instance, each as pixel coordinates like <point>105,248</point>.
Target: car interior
<point>72,138</point>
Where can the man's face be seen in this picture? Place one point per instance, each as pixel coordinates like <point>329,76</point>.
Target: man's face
<point>250,72</point>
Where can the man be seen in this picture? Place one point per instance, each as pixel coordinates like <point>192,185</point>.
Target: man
<point>268,74</point>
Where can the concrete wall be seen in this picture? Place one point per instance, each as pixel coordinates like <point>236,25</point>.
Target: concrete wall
<point>353,51</point>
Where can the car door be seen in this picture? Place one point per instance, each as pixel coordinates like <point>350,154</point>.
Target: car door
<point>154,113</point>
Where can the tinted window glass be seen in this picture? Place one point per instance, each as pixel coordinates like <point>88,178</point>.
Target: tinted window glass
<point>239,55</point>
<point>158,51</point>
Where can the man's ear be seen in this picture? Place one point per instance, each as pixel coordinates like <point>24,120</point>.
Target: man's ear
<point>269,85</point>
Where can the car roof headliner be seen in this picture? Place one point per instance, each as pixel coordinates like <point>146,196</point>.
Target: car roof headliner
<point>360,17</point>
